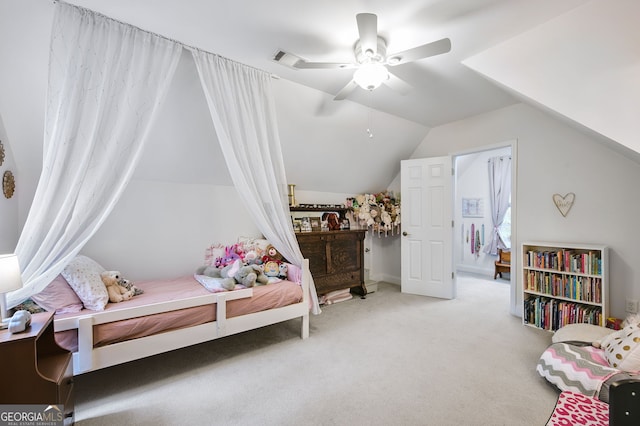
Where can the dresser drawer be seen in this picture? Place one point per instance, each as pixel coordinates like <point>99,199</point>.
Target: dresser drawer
<point>331,282</point>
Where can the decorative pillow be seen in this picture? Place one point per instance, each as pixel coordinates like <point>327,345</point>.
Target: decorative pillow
<point>623,349</point>
<point>213,252</point>
<point>248,243</point>
<point>58,296</point>
<point>253,248</point>
<point>83,276</point>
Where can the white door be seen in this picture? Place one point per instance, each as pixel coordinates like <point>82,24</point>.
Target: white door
<point>427,235</point>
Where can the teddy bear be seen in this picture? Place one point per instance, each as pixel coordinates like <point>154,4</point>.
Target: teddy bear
<point>117,293</point>
<point>271,254</point>
<point>332,221</point>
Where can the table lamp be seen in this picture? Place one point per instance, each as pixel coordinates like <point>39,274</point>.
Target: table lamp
<point>10,279</point>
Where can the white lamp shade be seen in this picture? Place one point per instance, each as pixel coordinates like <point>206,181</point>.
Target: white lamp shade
<point>10,277</point>
<point>370,76</point>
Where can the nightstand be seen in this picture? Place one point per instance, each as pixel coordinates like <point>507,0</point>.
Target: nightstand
<point>35,369</point>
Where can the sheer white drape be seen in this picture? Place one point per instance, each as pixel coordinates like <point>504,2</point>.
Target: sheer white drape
<point>106,80</point>
<point>243,112</point>
<point>499,195</point>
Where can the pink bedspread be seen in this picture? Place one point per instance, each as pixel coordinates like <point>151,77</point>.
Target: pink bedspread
<point>264,297</point>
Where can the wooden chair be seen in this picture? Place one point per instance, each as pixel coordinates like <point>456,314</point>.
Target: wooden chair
<point>503,264</point>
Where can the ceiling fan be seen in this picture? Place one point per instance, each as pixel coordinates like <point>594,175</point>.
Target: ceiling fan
<point>371,59</point>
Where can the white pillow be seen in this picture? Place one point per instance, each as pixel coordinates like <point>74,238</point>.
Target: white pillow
<point>622,349</point>
<point>579,332</point>
<point>83,275</point>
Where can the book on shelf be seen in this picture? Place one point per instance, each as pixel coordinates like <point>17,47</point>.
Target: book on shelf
<point>588,289</point>
<point>552,314</point>
<point>565,260</point>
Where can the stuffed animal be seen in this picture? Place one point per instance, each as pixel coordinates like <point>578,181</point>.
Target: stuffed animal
<point>19,321</point>
<point>271,255</point>
<point>332,221</point>
<point>240,273</point>
<point>231,254</point>
<point>117,293</point>
<point>275,271</point>
<point>227,283</point>
<point>129,286</point>
<point>283,271</point>
<point>251,275</point>
<point>252,257</point>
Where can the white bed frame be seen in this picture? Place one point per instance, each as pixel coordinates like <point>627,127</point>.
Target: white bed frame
<point>88,358</point>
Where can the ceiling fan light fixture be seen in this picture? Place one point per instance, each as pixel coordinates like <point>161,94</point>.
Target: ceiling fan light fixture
<point>394,60</point>
<point>370,76</point>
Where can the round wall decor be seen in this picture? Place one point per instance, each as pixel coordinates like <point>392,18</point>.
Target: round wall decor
<point>8,184</point>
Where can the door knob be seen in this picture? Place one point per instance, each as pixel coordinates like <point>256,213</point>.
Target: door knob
<point>404,233</point>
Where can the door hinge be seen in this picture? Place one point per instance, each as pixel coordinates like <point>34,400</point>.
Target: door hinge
<point>452,223</point>
<point>452,275</point>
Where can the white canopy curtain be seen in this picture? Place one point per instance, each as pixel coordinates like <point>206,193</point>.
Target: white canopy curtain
<point>499,196</point>
<point>106,80</point>
<point>243,113</point>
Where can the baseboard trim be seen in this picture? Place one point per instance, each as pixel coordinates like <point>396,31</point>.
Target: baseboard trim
<point>475,270</point>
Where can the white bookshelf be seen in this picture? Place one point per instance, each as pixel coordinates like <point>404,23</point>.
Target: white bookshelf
<point>564,284</point>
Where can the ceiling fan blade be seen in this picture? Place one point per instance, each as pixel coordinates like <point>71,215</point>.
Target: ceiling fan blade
<point>398,84</point>
<point>346,90</point>
<point>420,52</point>
<point>368,30</point>
<point>302,64</point>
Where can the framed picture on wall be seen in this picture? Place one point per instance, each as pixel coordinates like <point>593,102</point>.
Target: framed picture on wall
<point>315,223</point>
<point>472,207</point>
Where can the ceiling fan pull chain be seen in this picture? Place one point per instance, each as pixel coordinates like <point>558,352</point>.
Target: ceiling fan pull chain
<point>370,127</point>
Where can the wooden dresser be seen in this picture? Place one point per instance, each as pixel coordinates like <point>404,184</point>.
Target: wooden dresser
<point>335,259</point>
<point>35,369</point>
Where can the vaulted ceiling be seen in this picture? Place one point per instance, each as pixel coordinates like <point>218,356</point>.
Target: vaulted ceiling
<point>577,59</point>
<point>251,31</point>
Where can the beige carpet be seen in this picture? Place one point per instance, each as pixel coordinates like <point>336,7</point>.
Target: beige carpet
<point>390,359</point>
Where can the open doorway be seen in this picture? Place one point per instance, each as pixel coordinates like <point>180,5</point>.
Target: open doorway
<point>474,245</point>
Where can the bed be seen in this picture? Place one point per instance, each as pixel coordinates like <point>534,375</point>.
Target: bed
<point>172,314</point>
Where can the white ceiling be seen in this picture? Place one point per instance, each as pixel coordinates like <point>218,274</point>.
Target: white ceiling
<point>542,52</point>
<point>251,31</point>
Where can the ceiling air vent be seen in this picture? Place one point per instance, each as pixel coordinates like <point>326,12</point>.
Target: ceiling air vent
<point>284,58</point>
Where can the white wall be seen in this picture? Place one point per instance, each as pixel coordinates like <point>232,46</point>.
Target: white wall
<point>160,229</point>
<point>8,207</point>
<point>555,158</point>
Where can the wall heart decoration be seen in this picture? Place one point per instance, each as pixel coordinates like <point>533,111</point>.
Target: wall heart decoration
<point>565,203</point>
